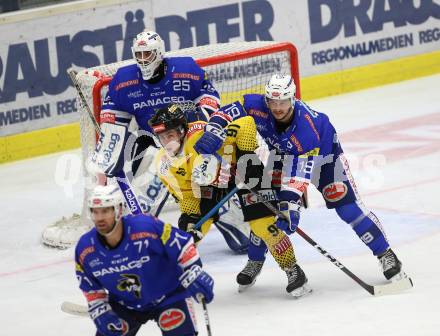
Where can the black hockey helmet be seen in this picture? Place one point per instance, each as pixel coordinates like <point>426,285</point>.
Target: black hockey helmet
<point>169,117</point>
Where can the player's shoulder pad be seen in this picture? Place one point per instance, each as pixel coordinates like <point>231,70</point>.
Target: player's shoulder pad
<point>124,77</point>
<point>184,66</point>
<point>246,122</point>
<point>142,226</point>
<point>253,100</point>
<point>85,245</point>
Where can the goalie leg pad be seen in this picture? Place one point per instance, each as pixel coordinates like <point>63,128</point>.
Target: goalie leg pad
<point>366,225</point>
<point>236,240</point>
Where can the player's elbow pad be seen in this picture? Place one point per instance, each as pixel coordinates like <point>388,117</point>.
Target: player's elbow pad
<point>108,157</point>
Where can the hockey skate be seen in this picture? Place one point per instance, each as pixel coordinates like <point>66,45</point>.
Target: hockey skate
<point>297,282</point>
<point>247,277</point>
<point>391,265</point>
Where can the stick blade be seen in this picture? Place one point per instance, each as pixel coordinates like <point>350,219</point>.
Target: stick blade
<point>74,309</point>
<point>394,287</point>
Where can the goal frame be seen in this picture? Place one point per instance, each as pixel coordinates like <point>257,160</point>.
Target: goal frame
<point>203,62</point>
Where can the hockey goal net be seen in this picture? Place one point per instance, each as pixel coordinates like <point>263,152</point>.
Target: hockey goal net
<point>233,68</point>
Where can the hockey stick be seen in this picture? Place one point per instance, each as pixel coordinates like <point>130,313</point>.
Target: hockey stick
<point>215,209</point>
<point>205,314</point>
<point>74,309</point>
<point>121,178</point>
<point>376,290</point>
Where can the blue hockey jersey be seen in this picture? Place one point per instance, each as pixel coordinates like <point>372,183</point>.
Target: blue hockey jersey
<point>143,270</point>
<point>309,131</point>
<point>309,141</point>
<point>129,95</point>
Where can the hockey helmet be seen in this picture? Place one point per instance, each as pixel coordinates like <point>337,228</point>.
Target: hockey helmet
<point>105,196</point>
<point>167,118</point>
<point>280,87</point>
<point>148,50</point>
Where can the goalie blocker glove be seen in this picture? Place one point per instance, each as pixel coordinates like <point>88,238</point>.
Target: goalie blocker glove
<point>108,157</point>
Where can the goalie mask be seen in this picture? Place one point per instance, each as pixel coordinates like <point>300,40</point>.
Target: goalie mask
<point>148,51</point>
<point>106,197</point>
<point>169,124</point>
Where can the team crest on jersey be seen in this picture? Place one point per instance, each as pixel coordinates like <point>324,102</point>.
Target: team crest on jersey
<point>171,319</point>
<point>130,283</point>
<point>335,191</point>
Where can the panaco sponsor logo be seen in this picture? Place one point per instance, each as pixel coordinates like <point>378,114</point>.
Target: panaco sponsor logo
<point>334,192</point>
<point>171,319</point>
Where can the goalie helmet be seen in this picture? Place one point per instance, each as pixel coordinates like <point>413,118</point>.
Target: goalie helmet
<point>280,87</point>
<point>148,50</point>
<point>166,118</point>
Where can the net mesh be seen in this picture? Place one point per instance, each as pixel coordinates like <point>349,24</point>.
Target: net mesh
<point>233,68</point>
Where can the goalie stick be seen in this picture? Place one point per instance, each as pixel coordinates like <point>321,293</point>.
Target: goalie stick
<point>376,290</point>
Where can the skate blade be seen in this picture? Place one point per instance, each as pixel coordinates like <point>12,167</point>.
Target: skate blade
<point>301,291</point>
<point>243,288</point>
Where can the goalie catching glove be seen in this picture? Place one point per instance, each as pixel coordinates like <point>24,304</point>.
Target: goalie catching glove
<point>198,283</point>
<point>108,157</point>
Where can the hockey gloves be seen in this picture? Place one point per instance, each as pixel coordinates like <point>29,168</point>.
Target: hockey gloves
<point>187,222</point>
<point>211,140</point>
<point>106,321</point>
<point>198,283</point>
<point>291,211</point>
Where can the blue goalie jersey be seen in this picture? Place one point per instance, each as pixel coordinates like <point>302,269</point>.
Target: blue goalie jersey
<point>129,95</point>
<point>143,270</point>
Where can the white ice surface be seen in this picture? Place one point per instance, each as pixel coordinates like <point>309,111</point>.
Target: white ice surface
<point>400,120</point>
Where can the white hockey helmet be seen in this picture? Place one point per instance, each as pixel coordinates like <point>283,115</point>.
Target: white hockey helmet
<point>148,51</point>
<point>106,196</point>
<point>280,87</point>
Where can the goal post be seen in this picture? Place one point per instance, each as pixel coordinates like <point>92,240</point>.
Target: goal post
<point>234,69</point>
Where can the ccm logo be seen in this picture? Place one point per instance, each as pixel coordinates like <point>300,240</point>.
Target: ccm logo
<point>334,192</point>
